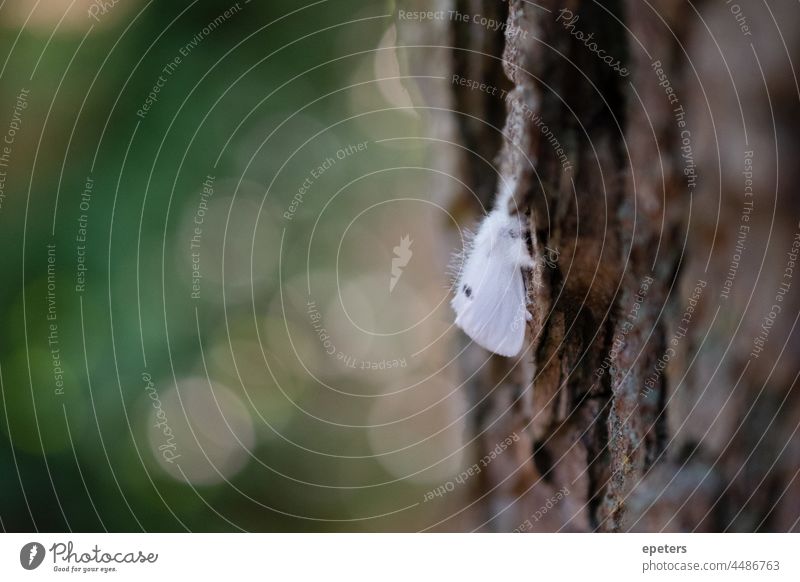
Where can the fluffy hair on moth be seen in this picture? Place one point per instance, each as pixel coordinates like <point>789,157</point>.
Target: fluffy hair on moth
<point>490,299</point>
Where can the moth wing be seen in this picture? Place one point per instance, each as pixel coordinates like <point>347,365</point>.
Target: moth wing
<point>490,302</point>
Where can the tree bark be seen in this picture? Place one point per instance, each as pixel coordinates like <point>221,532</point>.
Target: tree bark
<point>638,402</point>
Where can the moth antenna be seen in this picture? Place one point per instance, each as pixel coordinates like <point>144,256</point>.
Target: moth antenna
<point>458,259</point>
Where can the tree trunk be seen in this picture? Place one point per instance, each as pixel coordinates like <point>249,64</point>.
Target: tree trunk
<point>656,391</point>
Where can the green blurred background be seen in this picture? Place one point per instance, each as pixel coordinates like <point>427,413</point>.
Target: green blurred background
<point>295,391</point>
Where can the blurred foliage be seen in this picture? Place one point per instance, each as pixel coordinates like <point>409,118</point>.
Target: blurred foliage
<point>259,102</point>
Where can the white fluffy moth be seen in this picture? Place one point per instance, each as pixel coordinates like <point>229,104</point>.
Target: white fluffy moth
<point>490,300</point>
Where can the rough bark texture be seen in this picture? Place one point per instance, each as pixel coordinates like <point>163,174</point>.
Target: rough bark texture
<point>637,403</point>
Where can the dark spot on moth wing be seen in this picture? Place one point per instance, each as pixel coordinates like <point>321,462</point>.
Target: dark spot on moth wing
<point>467,291</point>
<point>513,233</point>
